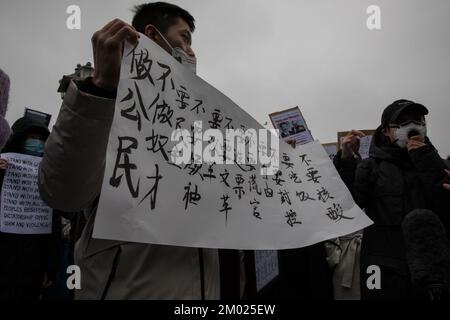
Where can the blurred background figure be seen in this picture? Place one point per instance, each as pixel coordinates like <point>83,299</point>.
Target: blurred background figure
<point>30,261</point>
<point>5,131</point>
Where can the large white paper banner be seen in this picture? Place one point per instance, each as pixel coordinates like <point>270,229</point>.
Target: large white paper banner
<point>22,211</point>
<point>147,198</point>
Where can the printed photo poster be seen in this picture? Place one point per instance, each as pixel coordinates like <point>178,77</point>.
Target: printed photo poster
<point>364,141</point>
<point>291,126</point>
<point>22,209</point>
<point>287,198</point>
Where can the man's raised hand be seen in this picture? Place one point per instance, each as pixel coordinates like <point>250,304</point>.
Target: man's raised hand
<point>107,44</point>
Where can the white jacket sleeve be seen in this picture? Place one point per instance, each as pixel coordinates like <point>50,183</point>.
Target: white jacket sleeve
<point>72,169</point>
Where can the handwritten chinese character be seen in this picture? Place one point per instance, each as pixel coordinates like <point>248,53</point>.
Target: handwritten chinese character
<point>304,160</point>
<point>224,177</point>
<point>165,75</point>
<point>197,106</point>
<point>183,97</point>
<point>239,190</point>
<point>268,191</point>
<point>225,206</point>
<point>126,165</point>
<point>303,196</point>
<point>210,173</point>
<point>141,62</point>
<point>163,114</point>
<point>194,169</point>
<point>228,124</point>
<point>154,190</point>
<point>287,161</point>
<point>313,175</point>
<point>255,204</point>
<point>217,119</point>
<point>324,195</point>
<point>157,143</point>
<point>293,176</point>
<point>336,213</point>
<point>277,178</point>
<point>254,184</point>
<point>284,197</point>
<point>191,197</point>
<point>292,218</point>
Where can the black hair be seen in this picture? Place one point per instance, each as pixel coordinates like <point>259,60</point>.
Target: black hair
<point>160,14</point>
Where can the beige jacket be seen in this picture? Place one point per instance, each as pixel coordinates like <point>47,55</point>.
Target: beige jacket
<point>343,254</point>
<point>70,179</point>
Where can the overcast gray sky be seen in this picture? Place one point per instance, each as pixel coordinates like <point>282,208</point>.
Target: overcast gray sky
<point>265,55</point>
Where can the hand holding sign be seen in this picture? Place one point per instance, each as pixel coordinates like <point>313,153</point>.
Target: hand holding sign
<point>107,44</point>
<point>350,144</point>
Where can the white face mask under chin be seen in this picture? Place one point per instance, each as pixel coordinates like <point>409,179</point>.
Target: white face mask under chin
<point>181,56</point>
<point>401,134</point>
<point>184,59</point>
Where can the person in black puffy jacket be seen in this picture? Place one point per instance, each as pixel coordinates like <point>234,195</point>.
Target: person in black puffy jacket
<point>404,172</point>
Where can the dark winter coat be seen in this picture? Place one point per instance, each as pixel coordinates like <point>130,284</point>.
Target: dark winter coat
<point>389,185</point>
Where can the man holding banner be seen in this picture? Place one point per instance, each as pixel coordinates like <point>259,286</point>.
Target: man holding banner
<point>71,173</point>
<point>121,150</point>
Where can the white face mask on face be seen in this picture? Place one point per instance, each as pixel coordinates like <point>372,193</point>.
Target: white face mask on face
<point>181,56</point>
<point>403,132</point>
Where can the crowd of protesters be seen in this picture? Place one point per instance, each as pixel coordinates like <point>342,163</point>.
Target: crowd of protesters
<point>403,179</point>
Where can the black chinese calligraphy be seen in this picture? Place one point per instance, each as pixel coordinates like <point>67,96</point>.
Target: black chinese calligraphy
<point>303,196</point>
<point>268,191</point>
<point>154,189</point>
<point>323,195</point>
<point>165,75</point>
<point>254,185</point>
<point>313,175</point>
<point>239,189</point>
<point>225,206</point>
<point>133,113</point>
<point>191,196</point>
<point>142,64</point>
<point>156,143</point>
<point>277,178</point>
<point>255,203</point>
<point>292,218</point>
<point>285,197</point>
<point>293,176</point>
<point>210,174</point>
<point>287,161</point>
<point>163,113</point>
<point>336,213</point>
<point>194,169</point>
<point>183,98</point>
<point>217,119</point>
<point>224,175</point>
<point>304,160</point>
<point>199,103</point>
<point>125,165</point>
